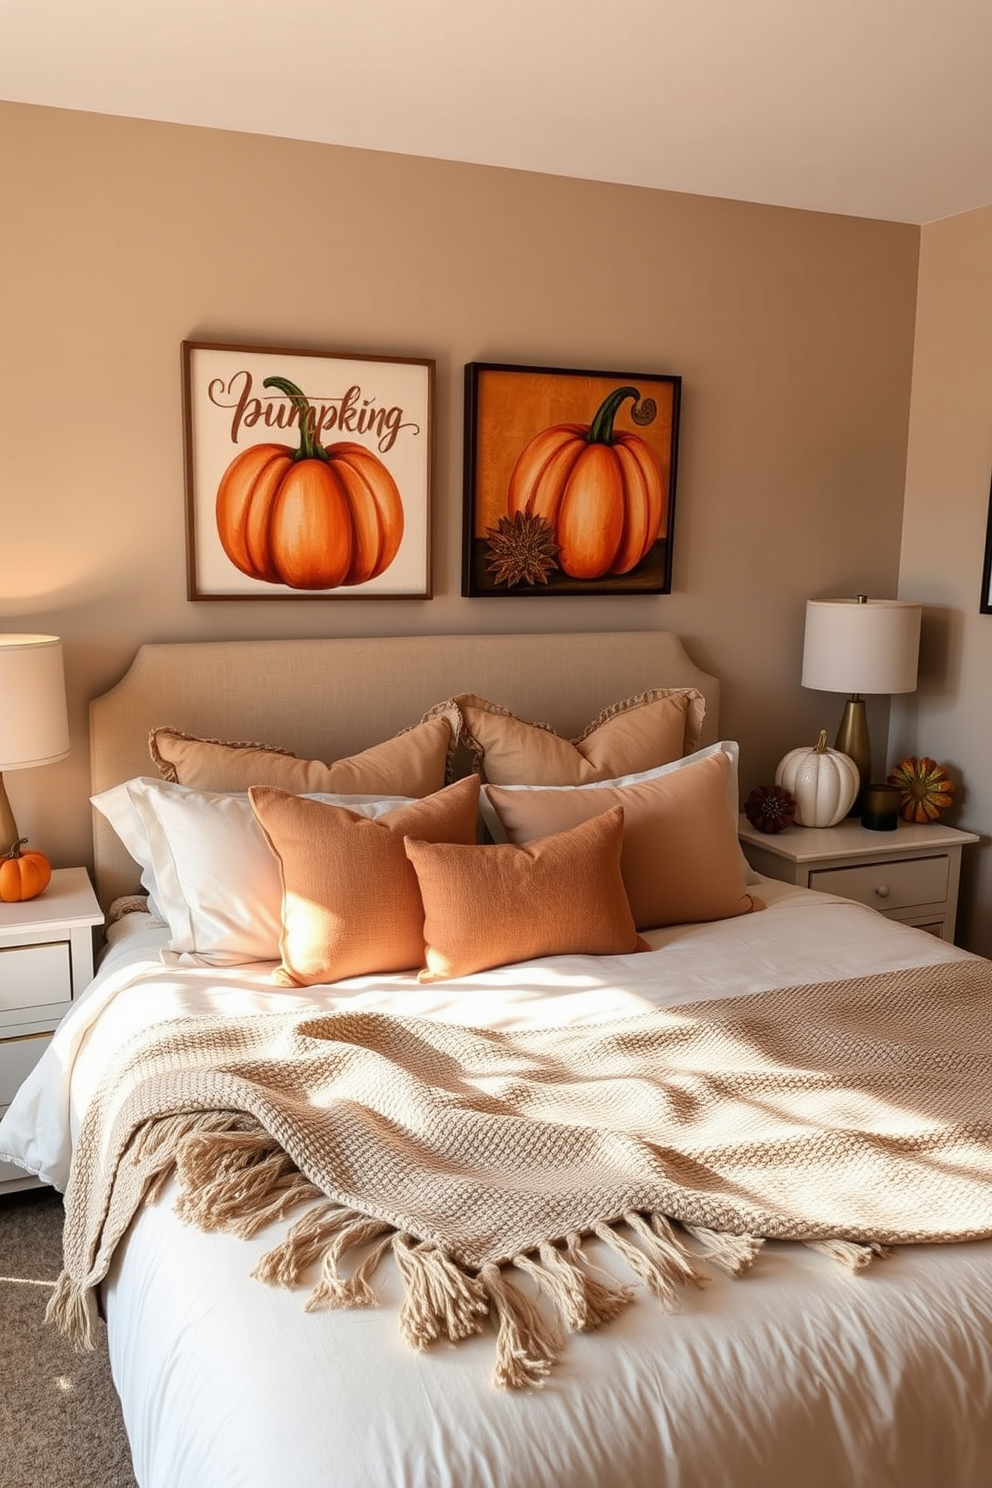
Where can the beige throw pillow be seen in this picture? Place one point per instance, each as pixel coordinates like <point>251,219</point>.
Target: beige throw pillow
<point>414,763</point>
<point>491,905</point>
<point>350,901</point>
<point>681,861</point>
<point>640,733</point>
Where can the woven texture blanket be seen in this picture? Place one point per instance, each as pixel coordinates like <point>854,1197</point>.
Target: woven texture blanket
<point>853,1115</point>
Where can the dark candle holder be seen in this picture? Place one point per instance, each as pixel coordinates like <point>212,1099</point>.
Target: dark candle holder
<point>880,808</point>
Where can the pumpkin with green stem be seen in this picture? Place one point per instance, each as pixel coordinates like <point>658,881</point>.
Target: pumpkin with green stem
<point>600,490</point>
<point>310,518</point>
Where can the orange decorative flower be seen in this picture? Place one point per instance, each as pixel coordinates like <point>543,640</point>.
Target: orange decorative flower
<point>925,789</point>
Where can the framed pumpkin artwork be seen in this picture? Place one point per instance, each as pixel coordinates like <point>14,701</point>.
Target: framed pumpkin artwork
<point>308,474</point>
<point>569,481</point>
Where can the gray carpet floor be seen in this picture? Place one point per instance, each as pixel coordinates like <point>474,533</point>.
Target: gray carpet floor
<point>60,1419</point>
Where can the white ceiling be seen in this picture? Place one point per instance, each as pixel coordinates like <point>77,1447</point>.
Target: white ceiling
<point>872,108</point>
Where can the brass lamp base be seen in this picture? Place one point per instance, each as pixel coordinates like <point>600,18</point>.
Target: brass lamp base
<point>852,740</point>
<point>8,826</point>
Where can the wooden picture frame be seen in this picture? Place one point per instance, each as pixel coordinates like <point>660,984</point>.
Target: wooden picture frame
<point>569,481</point>
<point>338,503</point>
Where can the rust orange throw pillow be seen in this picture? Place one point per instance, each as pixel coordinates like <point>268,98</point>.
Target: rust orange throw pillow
<point>487,906</point>
<point>350,902</point>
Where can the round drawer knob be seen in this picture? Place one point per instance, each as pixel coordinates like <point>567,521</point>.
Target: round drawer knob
<point>882,891</point>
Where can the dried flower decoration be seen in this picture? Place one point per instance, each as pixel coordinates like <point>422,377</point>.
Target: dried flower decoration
<point>521,550</point>
<point>770,808</point>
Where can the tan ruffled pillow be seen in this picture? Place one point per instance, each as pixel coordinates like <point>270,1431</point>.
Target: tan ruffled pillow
<point>645,731</point>
<point>487,906</point>
<point>413,763</point>
<point>350,901</point>
<point>681,861</point>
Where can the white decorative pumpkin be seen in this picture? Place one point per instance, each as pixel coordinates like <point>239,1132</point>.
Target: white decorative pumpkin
<point>824,782</point>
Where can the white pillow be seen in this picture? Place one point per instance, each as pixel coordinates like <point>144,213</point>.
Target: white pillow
<point>728,747</point>
<point>205,860</point>
<point>118,807</point>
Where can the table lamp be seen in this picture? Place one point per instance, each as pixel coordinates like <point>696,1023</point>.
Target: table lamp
<point>34,727</point>
<point>857,646</point>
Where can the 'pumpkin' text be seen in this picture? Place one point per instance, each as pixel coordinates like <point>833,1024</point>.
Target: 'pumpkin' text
<point>351,412</point>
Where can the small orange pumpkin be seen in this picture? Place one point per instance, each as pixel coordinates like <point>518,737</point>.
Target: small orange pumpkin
<point>602,492</point>
<point>925,789</point>
<point>23,875</point>
<point>311,518</point>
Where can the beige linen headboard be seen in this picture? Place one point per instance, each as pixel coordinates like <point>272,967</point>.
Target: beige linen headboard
<point>325,699</point>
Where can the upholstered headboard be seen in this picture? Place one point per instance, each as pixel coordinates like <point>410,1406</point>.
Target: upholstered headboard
<point>325,699</point>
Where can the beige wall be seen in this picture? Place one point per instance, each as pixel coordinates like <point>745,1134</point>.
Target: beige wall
<point>793,332</point>
<point>947,503</point>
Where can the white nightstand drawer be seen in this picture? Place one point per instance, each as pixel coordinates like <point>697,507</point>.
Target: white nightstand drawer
<point>18,1057</point>
<point>887,886</point>
<point>32,976</point>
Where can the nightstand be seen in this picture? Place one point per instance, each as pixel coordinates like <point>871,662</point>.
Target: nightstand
<point>46,959</point>
<point>911,874</point>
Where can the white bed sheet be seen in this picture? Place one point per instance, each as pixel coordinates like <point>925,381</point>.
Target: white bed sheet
<point>799,1374</point>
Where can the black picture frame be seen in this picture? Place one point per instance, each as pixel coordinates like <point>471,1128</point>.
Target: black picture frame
<point>985,603</point>
<point>526,529</point>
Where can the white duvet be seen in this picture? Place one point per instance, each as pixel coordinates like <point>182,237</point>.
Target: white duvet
<point>801,1375</point>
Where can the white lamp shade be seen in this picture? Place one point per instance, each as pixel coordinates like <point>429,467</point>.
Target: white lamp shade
<point>34,728</point>
<point>861,646</point>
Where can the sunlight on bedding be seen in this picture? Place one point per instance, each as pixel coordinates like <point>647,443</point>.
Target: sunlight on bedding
<point>802,937</point>
<point>801,1350</point>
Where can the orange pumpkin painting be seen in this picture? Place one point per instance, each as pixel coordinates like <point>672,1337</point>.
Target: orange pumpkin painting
<point>600,490</point>
<point>570,481</point>
<point>314,517</point>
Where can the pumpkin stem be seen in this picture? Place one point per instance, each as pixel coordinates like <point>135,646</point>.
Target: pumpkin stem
<point>309,448</point>
<point>15,851</point>
<point>820,747</point>
<point>601,428</point>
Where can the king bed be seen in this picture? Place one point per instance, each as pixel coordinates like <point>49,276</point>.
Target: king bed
<point>641,1169</point>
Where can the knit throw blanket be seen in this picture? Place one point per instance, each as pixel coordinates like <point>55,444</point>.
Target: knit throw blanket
<point>852,1116</point>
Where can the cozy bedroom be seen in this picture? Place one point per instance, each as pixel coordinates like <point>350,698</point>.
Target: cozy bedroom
<point>495,638</point>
